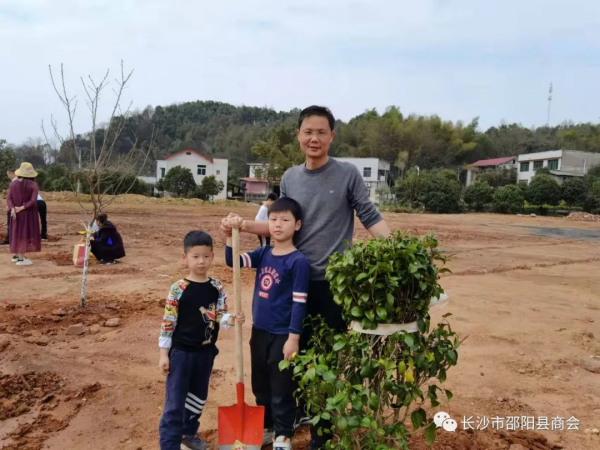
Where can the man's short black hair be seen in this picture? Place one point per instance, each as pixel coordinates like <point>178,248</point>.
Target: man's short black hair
<point>315,110</point>
<point>286,204</point>
<point>272,196</point>
<point>197,238</point>
<point>102,218</point>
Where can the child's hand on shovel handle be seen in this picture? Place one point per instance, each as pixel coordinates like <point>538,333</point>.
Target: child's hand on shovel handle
<point>237,319</point>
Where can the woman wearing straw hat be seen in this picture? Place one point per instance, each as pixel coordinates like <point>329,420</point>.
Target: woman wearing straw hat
<point>24,224</point>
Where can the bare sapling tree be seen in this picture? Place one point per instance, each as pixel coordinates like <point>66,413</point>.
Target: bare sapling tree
<point>101,167</point>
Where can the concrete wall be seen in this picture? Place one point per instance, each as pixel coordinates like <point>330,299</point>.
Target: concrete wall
<point>219,168</point>
<point>579,162</point>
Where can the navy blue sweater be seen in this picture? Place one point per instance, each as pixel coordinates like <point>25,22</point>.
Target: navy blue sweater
<point>280,290</point>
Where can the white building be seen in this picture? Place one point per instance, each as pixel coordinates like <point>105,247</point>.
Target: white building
<point>562,164</point>
<point>374,171</point>
<point>201,166</point>
<point>489,165</point>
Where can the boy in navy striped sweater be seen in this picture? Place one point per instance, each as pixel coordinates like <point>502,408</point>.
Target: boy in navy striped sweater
<point>278,311</point>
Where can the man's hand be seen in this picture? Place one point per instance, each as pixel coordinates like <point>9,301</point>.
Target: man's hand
<point>236,319</point>
<point>163,362</point>
<point>13,213</point>
<point>226,225</point>
<point>291,347</point>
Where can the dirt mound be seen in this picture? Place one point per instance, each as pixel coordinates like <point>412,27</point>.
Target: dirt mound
<point>59,258</point>
<point>582,216</point>
<point>469,440</point>
<point>21,320</point>
<point>19,393</point>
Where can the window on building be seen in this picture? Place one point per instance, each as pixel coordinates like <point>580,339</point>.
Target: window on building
<point>367,172</point>
<point>162,172</point>
<point>523,182</point>
<point>201,170</point>
<point>525,166</point>
<point>553,164</point>
<point>218,172</point>
<point>538,165</point>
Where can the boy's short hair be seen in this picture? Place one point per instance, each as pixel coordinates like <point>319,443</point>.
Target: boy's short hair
<point>197,238</point>
<point>102,218</point>
<point>272,196</point>
<point>315,110</point>
<point>285,204</point>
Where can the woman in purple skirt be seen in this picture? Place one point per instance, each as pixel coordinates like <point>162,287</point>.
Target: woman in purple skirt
<point>24,224</point>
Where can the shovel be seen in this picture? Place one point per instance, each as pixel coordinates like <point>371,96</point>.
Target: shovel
<point>240,425</point>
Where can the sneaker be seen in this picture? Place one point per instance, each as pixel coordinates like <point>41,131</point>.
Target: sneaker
<point>268,436</point>
<point>24,262</point>
<point>302,421</point>
<point>282,443</point>
<point>193,443</point>
<point>107,263</point>
<point>15,259</point>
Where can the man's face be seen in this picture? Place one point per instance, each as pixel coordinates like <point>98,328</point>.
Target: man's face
<point>315,137</point>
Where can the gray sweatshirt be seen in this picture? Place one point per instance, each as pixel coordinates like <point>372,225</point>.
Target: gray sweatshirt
<point>328,196</point>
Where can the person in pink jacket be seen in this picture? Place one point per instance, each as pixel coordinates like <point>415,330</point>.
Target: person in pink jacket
<point>25,223</point>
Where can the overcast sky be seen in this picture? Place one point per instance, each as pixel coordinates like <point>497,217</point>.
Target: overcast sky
<point>456,58</point>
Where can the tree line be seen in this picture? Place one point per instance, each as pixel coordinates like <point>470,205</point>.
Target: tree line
<point>440,191</point>
<point>244,134</point>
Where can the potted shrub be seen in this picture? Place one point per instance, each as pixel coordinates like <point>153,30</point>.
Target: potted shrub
<point>367,383</point>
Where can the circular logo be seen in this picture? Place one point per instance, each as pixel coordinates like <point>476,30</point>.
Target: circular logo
<point>266,282</point>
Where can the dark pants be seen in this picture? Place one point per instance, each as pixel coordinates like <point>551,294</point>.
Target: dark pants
<point>42,210</point>
<point>273,388</point>
<point>186,393</point>
<point>320,303</point>
<point>264,241</point>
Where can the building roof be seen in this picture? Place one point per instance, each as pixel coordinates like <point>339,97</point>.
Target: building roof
<point>493,162</point>
<point>566,173</point>
<point>191,151</point>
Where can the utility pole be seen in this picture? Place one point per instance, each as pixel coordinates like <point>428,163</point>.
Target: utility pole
<point>549,104</point>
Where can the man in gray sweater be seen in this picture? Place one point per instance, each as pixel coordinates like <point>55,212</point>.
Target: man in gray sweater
<point>329,193</point>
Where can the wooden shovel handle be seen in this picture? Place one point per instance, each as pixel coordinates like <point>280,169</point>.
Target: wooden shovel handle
<point>237,295</point>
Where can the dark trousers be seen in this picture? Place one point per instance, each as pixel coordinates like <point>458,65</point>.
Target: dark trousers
<point>320,303</point>
<point>273,389</point>
<point>264,241</point>
<point>42,210</point>
<point>186,393</point>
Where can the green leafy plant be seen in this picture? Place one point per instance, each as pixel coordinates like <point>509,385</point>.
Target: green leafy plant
<point>543,190</point>
<point>363,387</point>
<point>179,181</point>
<point>573,191</point>
<point>508,199</point>
<point>478,195</point>
<point>592,201</point>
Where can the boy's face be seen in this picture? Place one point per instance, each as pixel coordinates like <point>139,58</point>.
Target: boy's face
<point>199,259</point>
<point>269,202</point>
<point>283,225</point>
<point>315,137</point>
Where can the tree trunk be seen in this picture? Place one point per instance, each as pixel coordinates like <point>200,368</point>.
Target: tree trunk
<point>86,260</point>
